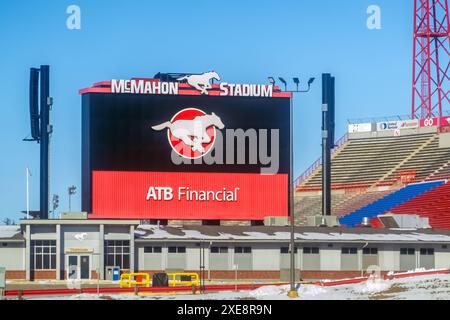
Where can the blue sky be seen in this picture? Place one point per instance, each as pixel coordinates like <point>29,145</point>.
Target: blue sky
<point>245,41</point>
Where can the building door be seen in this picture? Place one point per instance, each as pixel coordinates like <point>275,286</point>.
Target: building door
<point>72,270</point>
<point>78,267</point>
<point>84,267</point>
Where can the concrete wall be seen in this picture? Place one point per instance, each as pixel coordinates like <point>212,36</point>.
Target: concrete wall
<point>12,256</point>
<point>43,232</point>
<point>266,256</point>
<point>117,233</point>
<point>444,140</point>
<point>389,257</point>
<point>330,257</point>
<point>442,257</point>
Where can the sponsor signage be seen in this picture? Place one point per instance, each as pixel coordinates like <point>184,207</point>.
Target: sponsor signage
<point>359,127</point>
<point>189,195</point>
<point>408,124</point>
<point>397,125</point>
<point>433,122</point>
<point>79,250</point>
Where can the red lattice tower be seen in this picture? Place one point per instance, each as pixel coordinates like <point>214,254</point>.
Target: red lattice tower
<point>430,92</point>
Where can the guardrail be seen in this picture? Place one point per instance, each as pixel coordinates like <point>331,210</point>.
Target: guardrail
<point>183,279</point>
<point>380,119</point>
<point>134,279</point>
<point>308,172</point>
<point>393,276</point>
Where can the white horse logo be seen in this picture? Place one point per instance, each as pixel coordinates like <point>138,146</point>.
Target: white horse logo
<point>81,236</point>
<point>201,82</point>
<point>192,132</point>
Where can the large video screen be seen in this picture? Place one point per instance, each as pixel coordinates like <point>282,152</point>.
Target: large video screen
<point>184,156</point>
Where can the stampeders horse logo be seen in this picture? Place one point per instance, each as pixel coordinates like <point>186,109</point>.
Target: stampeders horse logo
<point>191,132</point>
<point>201,82</point>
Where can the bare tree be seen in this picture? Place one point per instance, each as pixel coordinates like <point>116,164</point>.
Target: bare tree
<point>9,222</point>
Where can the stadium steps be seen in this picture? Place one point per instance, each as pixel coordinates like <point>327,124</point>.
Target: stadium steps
<point>388,202</point>
<point>306,206</point>
<point>368,160</point>
<point>426,161</point>
<point>335,153</point>
<point>389,176</point>
<point>441,173</point>
<point>433,204</point>
<point>358,201</point>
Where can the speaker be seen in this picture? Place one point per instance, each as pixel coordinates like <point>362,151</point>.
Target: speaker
<point>34,103</point>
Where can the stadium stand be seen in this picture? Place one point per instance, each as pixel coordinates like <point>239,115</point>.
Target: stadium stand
<point>368,167</point>
<point>425,161</point>
<point>365,162</point>
<point>433,204</point>
<point>388,202</point>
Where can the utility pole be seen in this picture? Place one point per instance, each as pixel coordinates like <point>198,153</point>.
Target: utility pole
<point>328,99</point>
<point>293,291</point>
<point>46,129</point>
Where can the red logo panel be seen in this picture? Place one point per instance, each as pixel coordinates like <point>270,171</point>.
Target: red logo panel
<point>188,195</point>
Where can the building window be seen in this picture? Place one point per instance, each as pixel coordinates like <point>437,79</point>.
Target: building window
<point>117,253</point>
<point>310,250</point>
<point>372,251</point>
<point>4,244</point>
<point>177,249</point>
<point>154,249</point>
<point>285,250</point>
<point>243,250</point>
<point>427,252</point>
<point>407,251</point>
<point>43,254</point>
<point>219,249</point>
<point>349,250</point>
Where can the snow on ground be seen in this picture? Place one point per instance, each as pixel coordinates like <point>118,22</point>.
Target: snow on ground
<point>431,287</point>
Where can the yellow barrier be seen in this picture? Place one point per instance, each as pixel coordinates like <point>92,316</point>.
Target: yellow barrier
<point>129,279</point>
<point>175,279</point>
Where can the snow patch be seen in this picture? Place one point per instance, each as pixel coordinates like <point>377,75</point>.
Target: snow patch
<point>372,286</point>
<point>8,231</point>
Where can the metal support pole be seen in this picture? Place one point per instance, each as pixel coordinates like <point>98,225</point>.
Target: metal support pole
<point>292,292</point>
<point>28,193</point>
<point>326,146</point>
<point>44,141</point>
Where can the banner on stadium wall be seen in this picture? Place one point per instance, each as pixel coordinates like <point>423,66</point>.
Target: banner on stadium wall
<point>433,122</point>
<point>189,195</point>
<point>359,127</point>
<point>397,125</point>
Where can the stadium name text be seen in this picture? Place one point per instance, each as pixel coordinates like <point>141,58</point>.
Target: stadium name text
<point>186,194</point>
<point>140,86</point>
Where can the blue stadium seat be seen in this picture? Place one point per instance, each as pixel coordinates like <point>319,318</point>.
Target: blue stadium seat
<point>388,202</point>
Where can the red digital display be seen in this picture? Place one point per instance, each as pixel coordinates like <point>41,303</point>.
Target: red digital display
<point>188,195</point>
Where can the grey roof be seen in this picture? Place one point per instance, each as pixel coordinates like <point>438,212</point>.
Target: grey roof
<point>151,232</point>
<point>10,233</point>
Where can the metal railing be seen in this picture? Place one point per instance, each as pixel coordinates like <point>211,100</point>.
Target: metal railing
<point>379,119</point>
<point>311,169</point>
<point>388,118</point>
